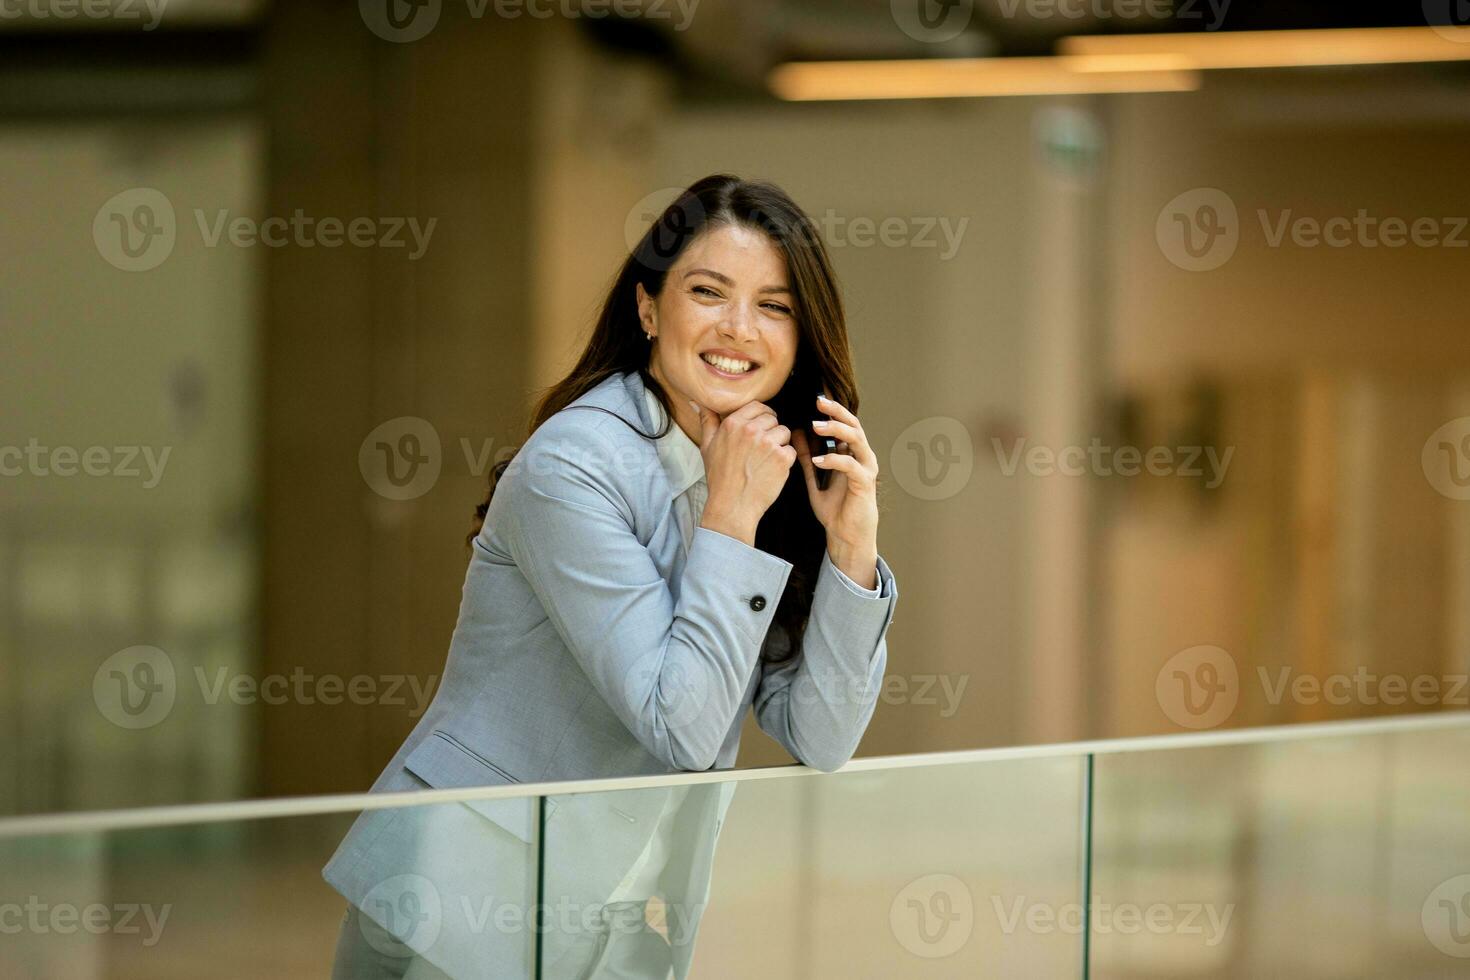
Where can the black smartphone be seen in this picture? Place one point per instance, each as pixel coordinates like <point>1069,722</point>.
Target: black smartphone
<point>797,409</point>
<point>820,443</point>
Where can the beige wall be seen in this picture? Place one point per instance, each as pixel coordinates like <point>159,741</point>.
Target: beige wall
<point>356,583</point>
<point>154,364</point>
<point>1328,548</point>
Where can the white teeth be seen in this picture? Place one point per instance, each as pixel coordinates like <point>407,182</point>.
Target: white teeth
<point>726,364</point>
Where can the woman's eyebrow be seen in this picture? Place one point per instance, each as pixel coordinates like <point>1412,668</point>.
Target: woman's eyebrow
<point>730,282</point>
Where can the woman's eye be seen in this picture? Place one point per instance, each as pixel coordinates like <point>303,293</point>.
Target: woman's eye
<point>778,308</point>
<point>705,291</point>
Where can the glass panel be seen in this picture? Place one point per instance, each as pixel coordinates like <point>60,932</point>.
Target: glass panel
<point>455,882</point>
<point>940,871</point>
<point>1323,857</point>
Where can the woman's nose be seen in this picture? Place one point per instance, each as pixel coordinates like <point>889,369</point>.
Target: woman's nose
<point>738,325</point>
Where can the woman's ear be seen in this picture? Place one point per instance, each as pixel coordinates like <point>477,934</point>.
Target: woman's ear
<point>647,315</point>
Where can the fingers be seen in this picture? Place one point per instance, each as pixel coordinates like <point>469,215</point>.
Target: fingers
<point>855,471</point>
<point>753,411</point>
<point>709,423</point>
<point>760,419</point>
<point>845,427</point>
<point>828,407</point>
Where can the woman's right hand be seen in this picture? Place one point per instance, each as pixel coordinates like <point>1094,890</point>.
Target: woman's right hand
<point>747,458</point>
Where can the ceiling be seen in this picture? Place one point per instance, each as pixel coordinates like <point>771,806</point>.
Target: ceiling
<point>735,42</point>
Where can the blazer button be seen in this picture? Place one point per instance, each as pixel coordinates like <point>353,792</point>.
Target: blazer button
<point>758,603</point>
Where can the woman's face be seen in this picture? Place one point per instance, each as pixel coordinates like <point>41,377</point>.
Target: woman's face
<point>727,296</point>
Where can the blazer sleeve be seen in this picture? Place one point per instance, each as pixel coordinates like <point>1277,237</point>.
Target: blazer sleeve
<point>675,672</point>
<point>818,703</point>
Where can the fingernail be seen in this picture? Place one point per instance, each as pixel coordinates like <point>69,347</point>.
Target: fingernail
<point>823,398</point>
<point>819,423</point>
<point>818,459</point>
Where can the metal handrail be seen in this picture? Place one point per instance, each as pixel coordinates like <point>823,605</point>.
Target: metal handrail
<point>103,821</point>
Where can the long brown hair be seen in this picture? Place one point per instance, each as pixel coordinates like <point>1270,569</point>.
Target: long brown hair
<point>789,529</point>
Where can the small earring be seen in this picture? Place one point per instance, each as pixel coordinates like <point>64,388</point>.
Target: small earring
<point>648,335</point>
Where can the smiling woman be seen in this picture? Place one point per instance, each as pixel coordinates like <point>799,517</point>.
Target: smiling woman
<point>744,311</point>
<point>622,620</point>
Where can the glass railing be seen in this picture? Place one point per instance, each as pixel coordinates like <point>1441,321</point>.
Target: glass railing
<point>1313,851</point>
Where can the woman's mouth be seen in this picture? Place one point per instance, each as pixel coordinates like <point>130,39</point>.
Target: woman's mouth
<point>727,367</point>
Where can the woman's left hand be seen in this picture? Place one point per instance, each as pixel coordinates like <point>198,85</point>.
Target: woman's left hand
<point>848,508</point>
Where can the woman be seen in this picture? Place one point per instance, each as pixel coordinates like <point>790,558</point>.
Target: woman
<point>658,558</point>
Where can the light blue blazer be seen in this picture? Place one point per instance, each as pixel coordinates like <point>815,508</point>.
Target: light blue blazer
<point>591,643</point>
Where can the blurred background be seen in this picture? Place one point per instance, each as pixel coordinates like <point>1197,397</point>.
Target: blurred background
<point>1158,311</point>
